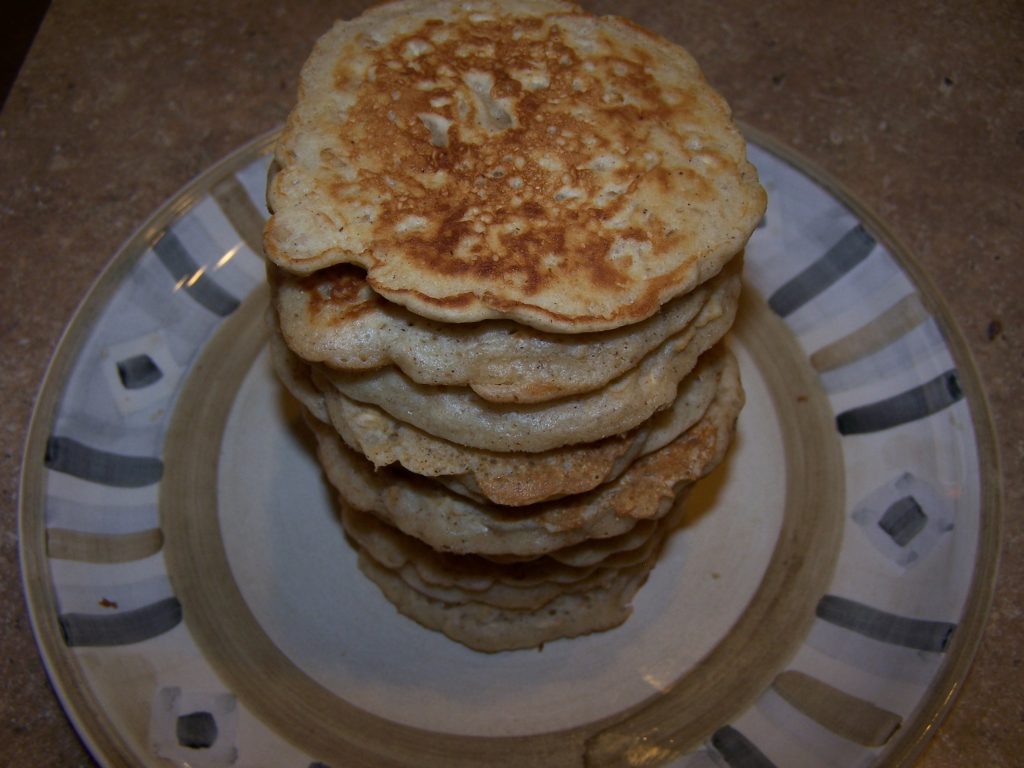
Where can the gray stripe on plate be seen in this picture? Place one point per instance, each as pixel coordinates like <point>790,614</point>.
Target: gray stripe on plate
<point>919,634</point>
<point>69,456</point>
<point>197,284</point>
<point>737,750</point>
<point>851,249</point>
<point>917,403</point>
<point>238,208</point>
<point>90,629</point>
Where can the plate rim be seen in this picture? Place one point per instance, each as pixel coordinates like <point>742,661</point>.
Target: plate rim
<point>936,704</point>
<point>58,663</point>
<point>104,741</point>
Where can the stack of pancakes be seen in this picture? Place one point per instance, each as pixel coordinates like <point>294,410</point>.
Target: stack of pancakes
<point>504,250</point>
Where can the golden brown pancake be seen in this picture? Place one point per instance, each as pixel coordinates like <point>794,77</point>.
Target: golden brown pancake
<point>513,479</point>
<point>518,479</point>
<point>520,160</point>
<point>502,235</point>
<point>332,317</point>
<point>450,522</point>
<point>472,573</point>
<point>459,415</point>
<point>487,628</point>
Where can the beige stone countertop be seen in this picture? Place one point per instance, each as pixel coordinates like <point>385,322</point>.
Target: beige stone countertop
<point>916,107</point>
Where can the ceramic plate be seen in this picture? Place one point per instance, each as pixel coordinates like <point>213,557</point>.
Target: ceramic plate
<point>196,602</point>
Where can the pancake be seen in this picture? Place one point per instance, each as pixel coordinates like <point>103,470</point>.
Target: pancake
<point>622,549</point>
<point>511,479</point>
<point>514,160</point>
<point>518,479</point>
<point>460,416</point>
<point>486,628</point>
<point>296,375</point>
<point>451,523</point>
<point>332,317</point>
<point>502,596</point>
<point>473,573</point>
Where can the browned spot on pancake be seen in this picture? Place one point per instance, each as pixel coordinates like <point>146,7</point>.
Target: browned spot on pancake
<point>339,292</point>
<point>555,168</point>
<point>533,478</point>
<point>454,301</point>
<point>503,214</point>
<point>659,475</point>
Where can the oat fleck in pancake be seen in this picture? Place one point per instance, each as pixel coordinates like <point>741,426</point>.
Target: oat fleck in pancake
<point>519,160</point>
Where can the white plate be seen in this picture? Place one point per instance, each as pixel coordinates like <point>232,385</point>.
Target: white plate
<point>195,600</point>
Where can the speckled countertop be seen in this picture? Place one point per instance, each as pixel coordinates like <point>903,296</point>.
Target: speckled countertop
<point>917,107</point>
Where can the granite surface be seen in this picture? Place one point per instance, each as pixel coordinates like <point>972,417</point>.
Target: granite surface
<point>917,107</point>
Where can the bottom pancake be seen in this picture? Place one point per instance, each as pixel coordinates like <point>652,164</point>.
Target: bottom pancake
<point>490,629</point>
<point>461,578</point>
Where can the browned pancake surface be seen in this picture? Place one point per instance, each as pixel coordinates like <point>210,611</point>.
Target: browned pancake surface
<point>518,160</point>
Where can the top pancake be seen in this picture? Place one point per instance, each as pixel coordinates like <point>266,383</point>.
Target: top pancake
<point>518,160</point>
